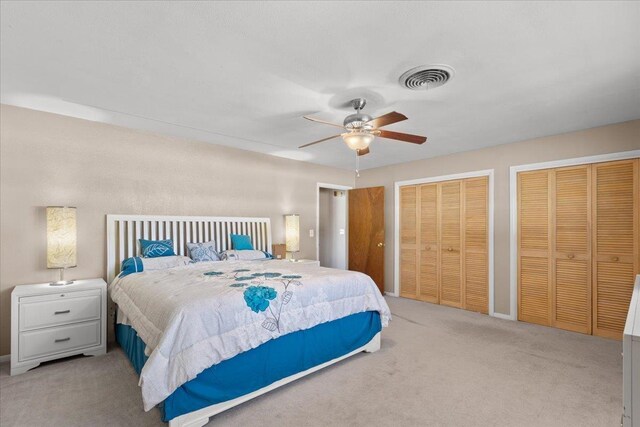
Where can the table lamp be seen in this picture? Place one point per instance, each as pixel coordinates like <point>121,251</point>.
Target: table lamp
<point>61,240</point>
<point>292,233</point>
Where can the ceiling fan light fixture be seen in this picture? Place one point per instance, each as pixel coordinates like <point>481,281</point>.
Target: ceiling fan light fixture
<point>357,140</point>
<point>357,121</point>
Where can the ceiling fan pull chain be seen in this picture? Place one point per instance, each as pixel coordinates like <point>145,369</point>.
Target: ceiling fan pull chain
<point>357,163</point>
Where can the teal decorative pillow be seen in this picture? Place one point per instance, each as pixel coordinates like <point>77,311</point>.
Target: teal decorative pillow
<point>131,265</point>
<point>156,248</point>
<point>241,242</point>
<point>203,251</point>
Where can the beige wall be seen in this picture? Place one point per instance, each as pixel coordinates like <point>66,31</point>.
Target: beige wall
<point>606,139</point>
<point>48,159</point>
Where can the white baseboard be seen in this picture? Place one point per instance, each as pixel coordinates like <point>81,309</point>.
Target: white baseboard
<point>503,316</point>
<point>391,294</point>
<point>5,358</point>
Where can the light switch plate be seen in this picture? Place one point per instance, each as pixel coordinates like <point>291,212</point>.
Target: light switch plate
<point>312,233</point>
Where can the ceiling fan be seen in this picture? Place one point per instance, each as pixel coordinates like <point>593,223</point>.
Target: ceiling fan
<point>361,129</point>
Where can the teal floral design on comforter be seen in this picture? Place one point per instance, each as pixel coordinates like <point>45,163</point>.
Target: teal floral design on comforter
<point>258,295</point>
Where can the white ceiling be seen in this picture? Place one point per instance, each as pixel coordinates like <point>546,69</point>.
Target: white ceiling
<point>243,74</point>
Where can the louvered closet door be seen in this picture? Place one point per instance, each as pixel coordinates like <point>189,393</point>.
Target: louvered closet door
<point>450,244</point>
<point>571,274</point>
<point>534,301</point>
<point>616,252</point>
<point>408,241</point>
<point>476,253</point>
<point>428,275</point>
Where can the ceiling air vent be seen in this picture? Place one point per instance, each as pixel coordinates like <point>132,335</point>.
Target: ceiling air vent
<point>426,77</point>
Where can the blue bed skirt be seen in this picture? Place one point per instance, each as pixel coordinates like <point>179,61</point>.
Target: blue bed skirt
<point>261,366</point>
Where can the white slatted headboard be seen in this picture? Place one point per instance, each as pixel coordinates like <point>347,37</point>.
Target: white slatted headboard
<point>123,232</point>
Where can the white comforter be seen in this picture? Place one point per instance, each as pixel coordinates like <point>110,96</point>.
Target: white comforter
<point>196,316</point>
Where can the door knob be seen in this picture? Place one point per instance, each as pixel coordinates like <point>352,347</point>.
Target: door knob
<point>380,244</point>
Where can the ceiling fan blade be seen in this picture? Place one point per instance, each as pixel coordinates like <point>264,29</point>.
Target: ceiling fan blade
<point>387,119</point>
<point>323,122</point>
<point>363,151</point>
<point>406,137</point>
<point>320,140</point>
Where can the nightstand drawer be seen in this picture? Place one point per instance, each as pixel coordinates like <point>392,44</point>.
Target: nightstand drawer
<point>43,342</point>
<point>59,311</point>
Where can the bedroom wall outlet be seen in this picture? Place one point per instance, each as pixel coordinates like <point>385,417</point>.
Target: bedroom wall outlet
<point>312,232</point>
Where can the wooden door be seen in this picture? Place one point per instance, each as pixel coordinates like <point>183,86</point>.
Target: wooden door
<point>444,243</point>
<point>571,249</point>
<point>409,250</point>
<point>366,233</point>
<point>476,244</point>
<point>534,229</point>
<point>616,191</point>
<point>450,244</point>
<point>428,243</point>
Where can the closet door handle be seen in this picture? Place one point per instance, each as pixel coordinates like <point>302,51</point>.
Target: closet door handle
<point>615,258</point>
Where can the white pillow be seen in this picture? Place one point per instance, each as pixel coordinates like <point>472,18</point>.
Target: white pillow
<point>164,262</point>
<point>244,255</point>
<point>138,264</point>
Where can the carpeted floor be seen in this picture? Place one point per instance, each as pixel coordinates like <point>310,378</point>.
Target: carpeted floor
<point>438,366</point>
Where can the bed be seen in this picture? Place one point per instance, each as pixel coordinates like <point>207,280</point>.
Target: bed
<point>207,336</point>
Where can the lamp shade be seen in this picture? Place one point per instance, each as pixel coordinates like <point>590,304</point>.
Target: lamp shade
<point>292,232</point>
<point>61,237</point>
<point>357,140</point>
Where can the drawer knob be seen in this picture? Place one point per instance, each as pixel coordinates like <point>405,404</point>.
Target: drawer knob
<point>571,256</point>
<point>63,339</point>
<point>450,249</point>
<point>62,312</point>
<point>615,258</point>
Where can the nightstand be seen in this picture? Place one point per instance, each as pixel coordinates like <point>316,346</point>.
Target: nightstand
<point>51,322</point>
<point>279,250</point>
